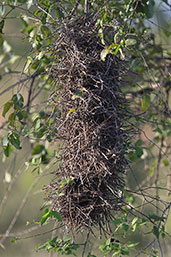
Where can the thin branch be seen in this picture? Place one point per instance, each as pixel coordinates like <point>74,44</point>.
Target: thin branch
<point>12,223</point>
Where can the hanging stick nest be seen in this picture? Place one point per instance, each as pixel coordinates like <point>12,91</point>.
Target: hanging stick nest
<point>92,125</point>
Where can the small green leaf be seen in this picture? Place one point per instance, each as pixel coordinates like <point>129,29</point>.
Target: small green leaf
<point>13,240</point>
<point>132,244</point>
<point>2,9</point>
<point>125,227</point>
<point>134,221</point>
<point>146,102</point>
<point>18,100</point>
<point>45,216</point>
<point>2,22</point>
<point>138,143</point>
<point>124,251</point>
<point>7,150</point>
<point>59,13</point>
<point>5,141</point>
<point>149,9</point>
<point>38,149</point>
<point>22,1</point>
<point>41,132</point>
<point>13,59</point>
<point>104,53</point>
<point>156,232</point>
<point>132,156</point>
<point>138,151</point>
<point>158,130</point>
<point>45,31</point>
<point>130,42</point>
<point>15,140</point>
<point>56,215</point>
<point>70,111</point>
<point>117,221</point>
<point>11,119</point>
<point>1,39</point>
<point>166,162</point>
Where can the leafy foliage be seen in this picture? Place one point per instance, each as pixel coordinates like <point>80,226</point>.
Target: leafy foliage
<point>124,31</point>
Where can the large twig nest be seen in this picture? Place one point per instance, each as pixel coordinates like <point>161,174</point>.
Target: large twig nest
<point>92,124</point>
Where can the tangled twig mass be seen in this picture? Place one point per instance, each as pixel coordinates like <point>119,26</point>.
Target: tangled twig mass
<point>92,123</point>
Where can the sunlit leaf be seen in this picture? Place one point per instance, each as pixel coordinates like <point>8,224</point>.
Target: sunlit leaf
<point>104,53</point>
<point>5,141</point>
<point>45,216</point>
<point>7,177</point>
<point>70,111</point>
<point>146,102</point>
<point>132,244</point>
<point>6,108</point>
<point>2,10</point>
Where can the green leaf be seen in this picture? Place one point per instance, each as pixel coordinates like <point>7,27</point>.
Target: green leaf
<point>56,215</point>
<point>35,64</point>
<point>146,102</point>
<point>132,244</point>
<point>13,240</point>
<point>104,53</point>
<point>18,100</point>
<point>156,232</point>
<point>1,39</point>
<point>139,152</point>
<point>117,221</point>
<point>15,140</point>
<point>1,25</point>
<point>138,142</point>
<point>124,251</point>
<point>37,123</point>
<point>125,227</point>
<point>130,42</point>
<point>5,141</point>
<point>2,9</point>
<point>134,221</point>
<point>59,13</point>
<point>70,111</point>
<point>149,9</point>
<point>22,1</point>
<point>132,156</point>
<point>7,150</point>
<point>11,119</point>
<point>45,216</point>
<point>38,149</point>
<point>158,130</point>
<point>166,162</point>
<point>45,31</point>
<point>41,132</point>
